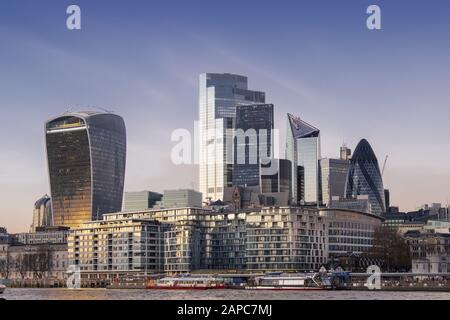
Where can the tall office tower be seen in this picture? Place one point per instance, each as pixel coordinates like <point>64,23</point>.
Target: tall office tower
<point>219,95</point>
<point>140,200</point>
<point>42,213</point>
<point>346,153</point>
<point>364,177</point>
<point>387,199</point>
<point>86,153</point>
<point>333,177</point>
<point>252,143</point>
<point>303,150</point>
<point>276,176</point>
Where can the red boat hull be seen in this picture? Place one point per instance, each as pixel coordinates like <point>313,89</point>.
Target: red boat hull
<point>183,288</point>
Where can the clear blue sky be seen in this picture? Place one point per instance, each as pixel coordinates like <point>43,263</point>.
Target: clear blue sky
<point>142,59</point>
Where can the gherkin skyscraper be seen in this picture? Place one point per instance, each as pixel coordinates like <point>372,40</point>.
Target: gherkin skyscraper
<point>364,177</point>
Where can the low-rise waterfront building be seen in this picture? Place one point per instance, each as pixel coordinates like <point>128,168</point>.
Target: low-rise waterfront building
<point>107,248</point>
<point>286,239</point>
<point>45,262</point>
<point>190,239</point>
<point>225,241</point>
<point>44,235</point>
<point>182,240</point>
<point>349,231</point>
<point>430,252</point>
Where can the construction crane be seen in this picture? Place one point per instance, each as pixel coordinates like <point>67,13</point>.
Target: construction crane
<point>384,165</point>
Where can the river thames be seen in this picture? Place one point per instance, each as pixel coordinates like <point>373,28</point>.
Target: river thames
<point>108,294</point>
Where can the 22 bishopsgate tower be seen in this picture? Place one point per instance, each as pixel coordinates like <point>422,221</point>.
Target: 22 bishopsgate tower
<point>86,153</point>
<point>219,96</point>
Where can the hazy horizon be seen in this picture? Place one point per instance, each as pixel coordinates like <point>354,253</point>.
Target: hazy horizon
<point>314,59</point>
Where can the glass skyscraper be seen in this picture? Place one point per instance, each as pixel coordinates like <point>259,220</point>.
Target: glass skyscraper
<point>333,178</point>
<point>42,213</point>
<point>253,142</point>
<point>276,176</point>
<point>219,94</point>
<point>303,150</point>
<point>86,153</point>
<point>364,177</point>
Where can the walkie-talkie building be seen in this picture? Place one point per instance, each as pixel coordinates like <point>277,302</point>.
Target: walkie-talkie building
<point>86,154</point>
<point>364,177</point>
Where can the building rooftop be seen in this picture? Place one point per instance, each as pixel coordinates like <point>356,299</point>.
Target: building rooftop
<point>301,129</point>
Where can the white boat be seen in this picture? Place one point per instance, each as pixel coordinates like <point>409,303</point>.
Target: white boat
<point>291,282</point>
<point>187,283</point>
<point>2,288</point>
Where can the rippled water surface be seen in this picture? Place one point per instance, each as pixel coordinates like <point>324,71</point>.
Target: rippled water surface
<point>105,294</point>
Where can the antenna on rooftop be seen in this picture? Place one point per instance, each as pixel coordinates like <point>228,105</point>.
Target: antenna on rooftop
<point>102,109</point>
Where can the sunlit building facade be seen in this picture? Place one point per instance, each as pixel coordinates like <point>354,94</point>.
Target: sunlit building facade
<point>181,240</point>
<point>364,177</point>
<point>86,154</point>
<point>219,94</point>
<point>118,247</point>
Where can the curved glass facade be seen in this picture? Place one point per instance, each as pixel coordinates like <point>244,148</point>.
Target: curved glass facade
<point>364,177</point>
<point>86,154</point>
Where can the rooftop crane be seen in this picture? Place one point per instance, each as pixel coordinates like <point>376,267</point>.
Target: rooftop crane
<point>384,165</point>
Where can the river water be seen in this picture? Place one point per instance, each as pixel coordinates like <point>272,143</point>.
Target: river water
<point>107,294</point>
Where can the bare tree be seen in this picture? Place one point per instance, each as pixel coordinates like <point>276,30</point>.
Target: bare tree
<point>6,265</point>
<point>41,262</point>
<point>389,245</point>
<point>21,265</point>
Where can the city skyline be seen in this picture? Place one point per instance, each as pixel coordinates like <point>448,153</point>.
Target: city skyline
<point>374,104</point>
